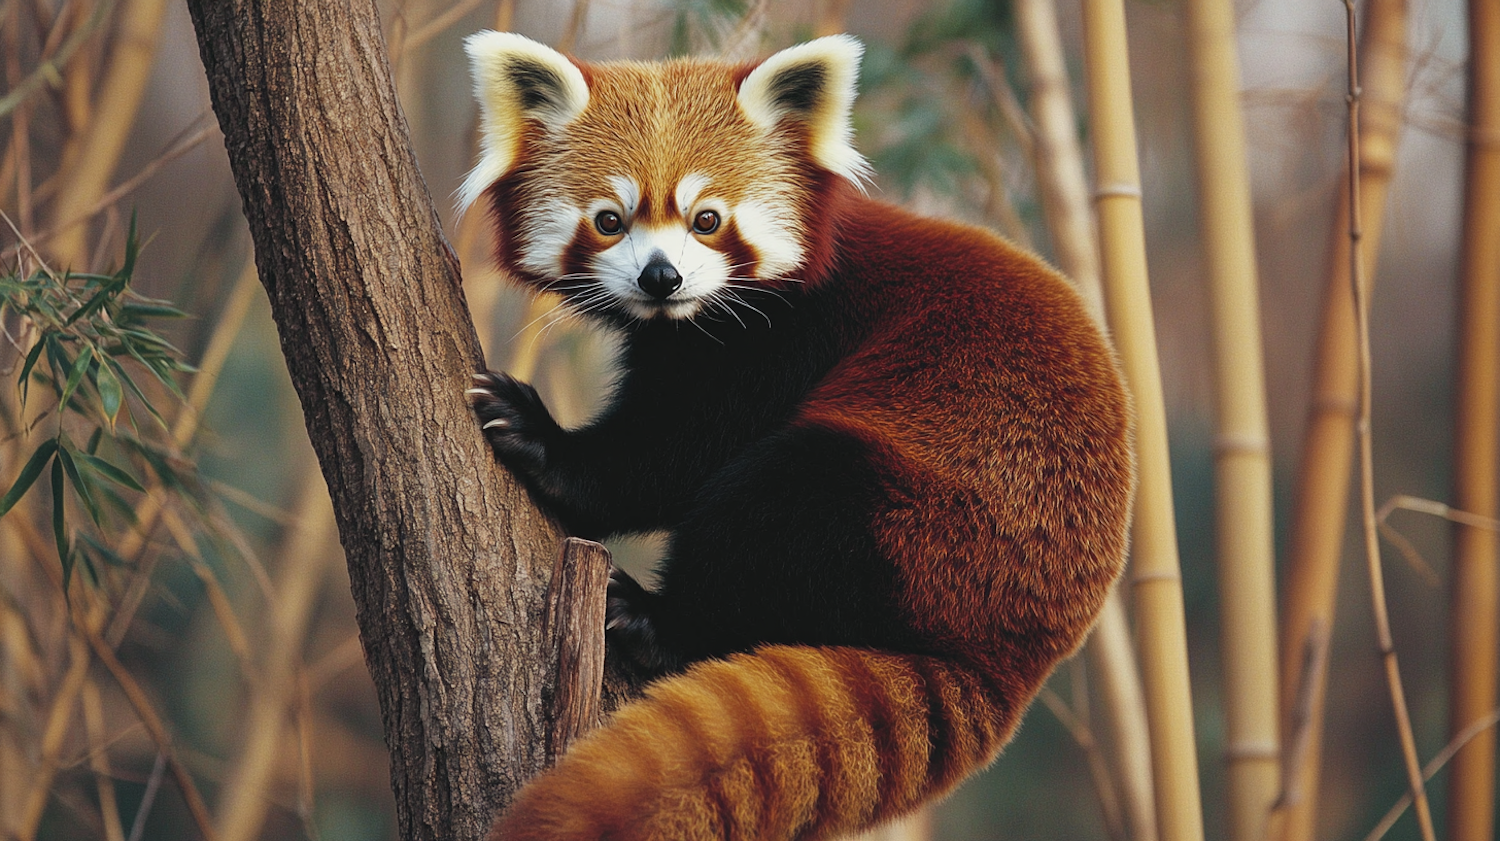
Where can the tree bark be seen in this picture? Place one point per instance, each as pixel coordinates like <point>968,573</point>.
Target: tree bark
<point>448,559</point>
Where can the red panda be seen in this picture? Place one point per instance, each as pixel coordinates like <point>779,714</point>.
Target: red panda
<point>894,455</point>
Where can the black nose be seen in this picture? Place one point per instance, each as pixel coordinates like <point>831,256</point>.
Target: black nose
<point>659,279</point>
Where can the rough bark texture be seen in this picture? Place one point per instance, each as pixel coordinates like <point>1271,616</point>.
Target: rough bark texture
<point>576,603</point>
<point>449,561</point>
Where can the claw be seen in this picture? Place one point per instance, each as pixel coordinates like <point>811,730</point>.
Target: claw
<point>497,423</point>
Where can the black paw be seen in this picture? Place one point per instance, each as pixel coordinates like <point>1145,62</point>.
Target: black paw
<point>514,420</point>
<point>627,619</point>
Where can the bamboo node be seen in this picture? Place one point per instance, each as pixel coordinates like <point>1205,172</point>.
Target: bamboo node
<point>1340,405</point>
<point>1117,189</point>
<point>1254,445</point>
<point>1153,577</point>
<point>1252,750</point>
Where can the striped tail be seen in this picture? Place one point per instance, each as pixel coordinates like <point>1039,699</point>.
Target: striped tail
<point>790,742</point>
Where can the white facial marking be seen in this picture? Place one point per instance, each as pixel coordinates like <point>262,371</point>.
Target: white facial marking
<point>770,228</point>
<point>703,270</point>
<point>688,190</point>
<point>628,192</point>
<point>547,229</point>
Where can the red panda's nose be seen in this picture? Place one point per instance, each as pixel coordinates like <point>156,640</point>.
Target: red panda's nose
<point>660,278</point>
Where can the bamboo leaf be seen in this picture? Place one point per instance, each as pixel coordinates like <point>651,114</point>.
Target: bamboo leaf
<point>57,359</point>
<point>60,524</point>
<point>131,312</point>
<point>130,383</point>
<point>28,475</point>
<point>31,358</point>
<point>75,375</point>
<point>91,305</point>
<point>105,553</point>
<point>132,248</point>
<point>110,471</point>
<point>81,484</point>
<point>110,393</point>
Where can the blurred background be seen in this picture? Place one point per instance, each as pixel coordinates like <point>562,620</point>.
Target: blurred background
<point>240,630</point>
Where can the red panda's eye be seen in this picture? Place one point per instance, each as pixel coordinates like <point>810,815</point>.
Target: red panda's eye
<point>608,222</point>
<point>706,222</point>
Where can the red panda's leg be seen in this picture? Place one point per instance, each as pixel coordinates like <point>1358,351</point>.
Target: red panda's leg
<point>780,546</point>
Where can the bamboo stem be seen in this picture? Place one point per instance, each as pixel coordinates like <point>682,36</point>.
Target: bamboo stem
<point>1473,629</point>
<point>1323,473</point>
<point>1063,189</point>
<point>1242,454</point>
<point>1062,185</point>
<point>1155,576</point>
<point>115,107</point>
<point>1387,646</point>
<point>303,566</point>
<point>93,719</point>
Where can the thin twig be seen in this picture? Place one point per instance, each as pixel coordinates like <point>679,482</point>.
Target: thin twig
<point>1431,768</point>
<point>437,25</point>
<point>153,785</point>
<point>1299,741</point>
<point>130,185</point>
<point>49,70</point>
<point>1387,646</point>
<point>569,40</point>
<point>1109,800</point>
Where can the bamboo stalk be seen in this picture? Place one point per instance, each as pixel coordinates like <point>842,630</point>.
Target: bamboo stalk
<point>1322,494</point>
<point>1063,189</point>
<point>1113,666</point>
<point>1473,628</point>
<point>302,568</point>
<point>1062,185</point>
<point>51,742</point>
<point>93,719</point>
<point>1386,645</point>
<point>1155,575</point>
<point>1242,451</point>
<point>115,106</point>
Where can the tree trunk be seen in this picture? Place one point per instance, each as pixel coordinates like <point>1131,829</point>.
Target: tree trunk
<point>448,559</point>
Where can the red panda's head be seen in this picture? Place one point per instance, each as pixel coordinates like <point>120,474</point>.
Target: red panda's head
<point>657,190</point>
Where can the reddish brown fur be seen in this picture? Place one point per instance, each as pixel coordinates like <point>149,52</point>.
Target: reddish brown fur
<point>1002,569</point>
<point>986,406</point>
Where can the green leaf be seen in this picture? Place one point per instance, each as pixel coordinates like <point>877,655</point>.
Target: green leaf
<point>92,304</point>
<point>132,248</point>
<point>81,485</point>
<point>110,393</point>
<point>93,444</point>
<point>130,383</point>
<point>105,553</point>
<point>57,359</point>
<point>59,524</point>
<point>139,311</point>
<point>31,358</point>
<point>28,475</point>
<point>110,471</point>
<point>75,375</point>
<point>117,502</point>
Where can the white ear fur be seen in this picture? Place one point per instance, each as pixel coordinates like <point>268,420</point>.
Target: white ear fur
<point>515,79</point>
<point>815,83</point>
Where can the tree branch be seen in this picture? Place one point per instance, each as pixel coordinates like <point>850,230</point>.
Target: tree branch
<point>448,560</point>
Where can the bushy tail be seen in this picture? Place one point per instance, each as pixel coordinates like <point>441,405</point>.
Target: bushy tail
<point>789,742</point>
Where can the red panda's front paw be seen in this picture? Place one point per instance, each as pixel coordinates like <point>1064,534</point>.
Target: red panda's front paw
<point>627,619</point>
<point>514,420</point>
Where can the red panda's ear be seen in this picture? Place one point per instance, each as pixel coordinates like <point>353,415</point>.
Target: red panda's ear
<point>814,84</point>
<point>516,79</point>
